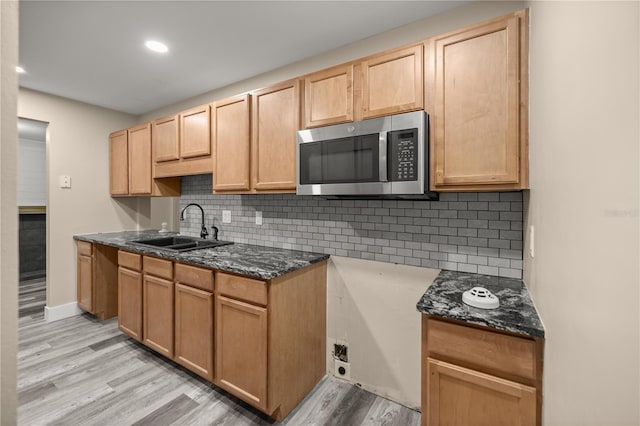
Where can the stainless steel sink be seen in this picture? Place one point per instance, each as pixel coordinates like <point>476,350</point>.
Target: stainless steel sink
<point>180,243</point>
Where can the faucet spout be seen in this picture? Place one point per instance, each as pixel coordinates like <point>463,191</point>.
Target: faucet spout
<point>203,232</point>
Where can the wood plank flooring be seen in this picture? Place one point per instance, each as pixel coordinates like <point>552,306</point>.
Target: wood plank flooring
<point>81,371</point>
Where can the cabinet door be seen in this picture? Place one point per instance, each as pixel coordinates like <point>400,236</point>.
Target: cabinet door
<point>477,107</point>
<point>459,396</point>
<point>195,132</point>
<point>328,96</point>
<point>130,302</point>
<point>275,120</point>
<point>118,163</point>
<point>157,314</point>
<point>231,133</point>
<point>140,160</point>
<point>241,350</point>
<point>194,330</point>
<point>393,82</point>
<point>165,139</point>
<point>85,283</point>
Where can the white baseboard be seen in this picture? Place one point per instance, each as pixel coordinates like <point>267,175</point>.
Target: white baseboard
<point>55,313</point>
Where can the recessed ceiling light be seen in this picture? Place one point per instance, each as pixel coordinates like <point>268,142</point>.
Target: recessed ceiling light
<point>20,70</point>
<point>156,46</point>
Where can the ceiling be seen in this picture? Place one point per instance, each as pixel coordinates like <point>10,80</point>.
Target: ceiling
<point>93,51</point>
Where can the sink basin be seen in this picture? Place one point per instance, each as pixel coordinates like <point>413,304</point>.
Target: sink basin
<point>180,243</point>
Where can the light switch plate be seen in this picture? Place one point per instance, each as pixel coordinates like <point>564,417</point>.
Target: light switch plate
<point>531,243</point>
<point>65,181</point>
<point>226,216</point>
<point>258,217</point>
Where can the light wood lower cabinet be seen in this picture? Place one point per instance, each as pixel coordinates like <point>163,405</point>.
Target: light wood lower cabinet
<point>262,341</point>
<point>241,358</point>
<point>194,330</point>
<point>477,376</point>
<point>85,276</point>
<point>157,314</point>
<point>463,396</point>
<point>97,279</point>
<point>130,302</point>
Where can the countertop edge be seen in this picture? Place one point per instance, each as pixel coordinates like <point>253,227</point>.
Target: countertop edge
<point>518,315</point>
<point>320,257</point>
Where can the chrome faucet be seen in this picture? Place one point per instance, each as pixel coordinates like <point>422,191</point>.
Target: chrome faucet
<point>203,233</point>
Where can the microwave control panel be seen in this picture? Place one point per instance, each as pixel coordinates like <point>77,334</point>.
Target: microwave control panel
<point>403,155</point>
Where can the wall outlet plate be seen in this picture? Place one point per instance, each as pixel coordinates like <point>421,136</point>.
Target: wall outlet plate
<point>65,181</point>
<point>342,370</point>
<point>226,216</point>
<point>258,217</point>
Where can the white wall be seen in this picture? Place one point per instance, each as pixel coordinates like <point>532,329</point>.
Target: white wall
<point>583,204</point>
<point>77,145</point>
<point>371,307</point>
<point>8,211</point>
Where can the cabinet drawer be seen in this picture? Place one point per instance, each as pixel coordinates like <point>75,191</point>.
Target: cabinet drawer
<point>129,260</point>
<point>254,291</point>
<point>85,248</point>
<point>158,267</point>
<point>196,277</point>
<point>495,352</point>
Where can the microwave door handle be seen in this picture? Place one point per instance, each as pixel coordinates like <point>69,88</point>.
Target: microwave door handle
<point>382,156</point>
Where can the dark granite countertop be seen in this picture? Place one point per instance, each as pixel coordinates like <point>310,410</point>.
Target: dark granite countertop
<point>245,259</point>
<point>516,312</point>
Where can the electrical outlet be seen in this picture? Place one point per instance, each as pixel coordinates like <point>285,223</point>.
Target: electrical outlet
<point>342,370</point>
<point>258,218</point>
<point>226,216</point>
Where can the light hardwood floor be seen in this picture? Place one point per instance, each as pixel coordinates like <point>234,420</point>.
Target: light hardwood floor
<point>81,371</point>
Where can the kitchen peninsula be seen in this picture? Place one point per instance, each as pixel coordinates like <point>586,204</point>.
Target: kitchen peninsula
<point>233,314</point>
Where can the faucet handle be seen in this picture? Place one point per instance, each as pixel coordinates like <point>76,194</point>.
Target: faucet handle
<point>215,232</point>
<point>204,233</point>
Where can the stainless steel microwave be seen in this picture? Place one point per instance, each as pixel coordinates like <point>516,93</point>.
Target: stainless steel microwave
<point>386,157</point>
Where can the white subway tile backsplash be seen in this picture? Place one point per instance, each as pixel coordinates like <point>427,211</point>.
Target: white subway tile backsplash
<point>469,232</point>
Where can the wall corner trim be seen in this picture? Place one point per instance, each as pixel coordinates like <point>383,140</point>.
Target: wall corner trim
<point>55,313</point>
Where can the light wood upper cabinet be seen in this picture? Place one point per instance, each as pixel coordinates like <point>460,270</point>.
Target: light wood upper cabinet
<point>166,139</point>
<point>130,165</point>
<point>194,330</point>
<point>275,120</point>
<point>182,144</point>
<point>328,96</point>
<point>393,82</point>
<point>118,163</point>
<point>479,111</point>
<point>195,132</point>
<point>241,357</point>
<point>231,138</point>
<point>140,160</point>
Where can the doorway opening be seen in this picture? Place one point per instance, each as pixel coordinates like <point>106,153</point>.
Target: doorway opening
<point>32,219</point>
